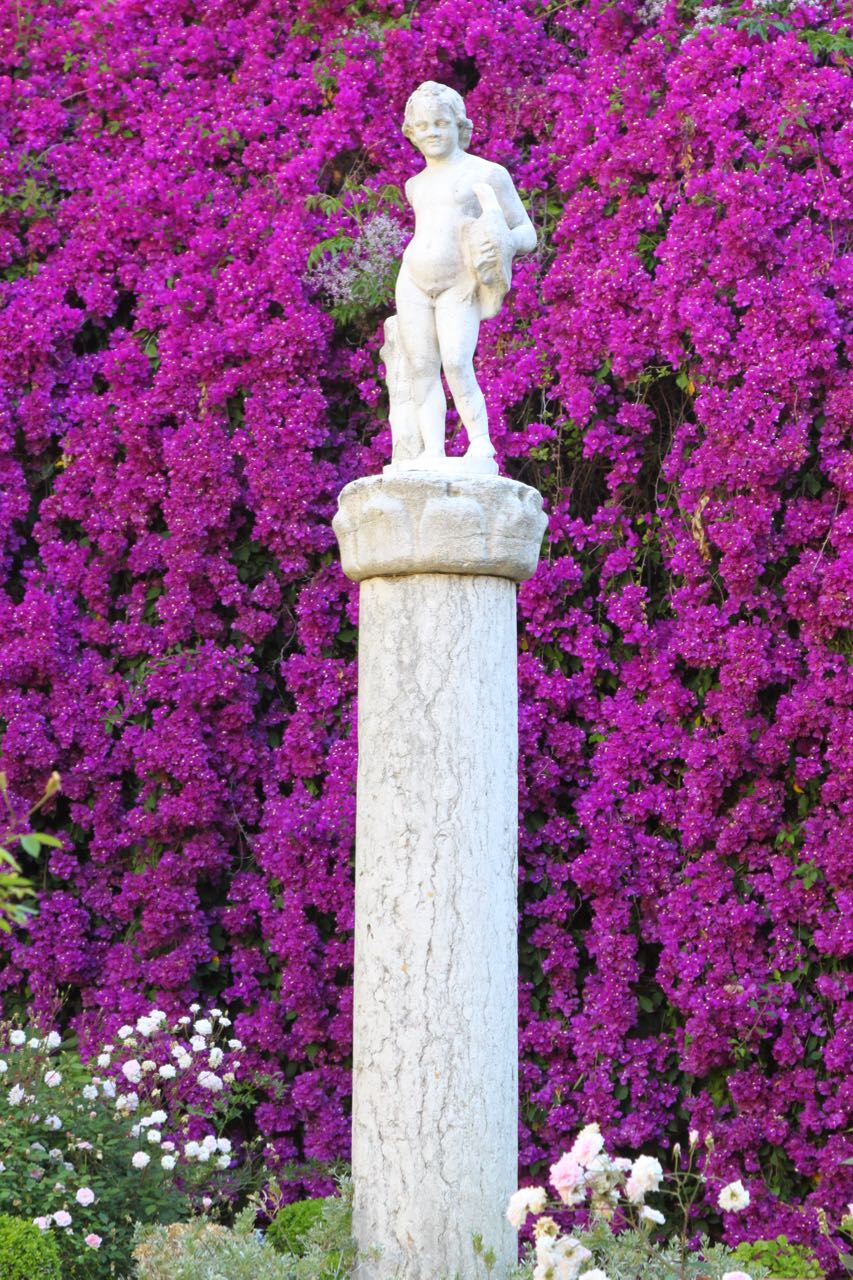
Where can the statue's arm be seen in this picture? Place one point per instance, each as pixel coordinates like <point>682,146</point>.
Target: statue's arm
<point>523,233</point>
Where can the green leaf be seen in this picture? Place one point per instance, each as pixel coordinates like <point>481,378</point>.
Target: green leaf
<point>30,845</point>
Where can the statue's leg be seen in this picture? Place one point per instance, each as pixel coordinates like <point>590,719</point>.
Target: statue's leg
<point>417,334</point>
<point>458,325</point>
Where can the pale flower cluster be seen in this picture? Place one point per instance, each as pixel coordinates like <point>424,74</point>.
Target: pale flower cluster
<point>134,1090</point>
<point>190,1051</point>
<point>587,1170</point>
<point>587,1174</point>
<point>560,1257</point>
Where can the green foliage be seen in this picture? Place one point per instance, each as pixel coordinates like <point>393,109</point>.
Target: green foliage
<point>355,266</point>
<point>17,895</point>
<point>779,1258</point>
<point>26,1253</point>
<point>287,1231</point>
<point>201,1250</point>
<point>328,1250</point>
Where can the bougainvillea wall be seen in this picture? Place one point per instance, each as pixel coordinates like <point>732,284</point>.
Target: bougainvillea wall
<point>200,212</point>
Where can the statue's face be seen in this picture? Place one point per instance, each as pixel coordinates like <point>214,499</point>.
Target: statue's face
<point>435,132</point>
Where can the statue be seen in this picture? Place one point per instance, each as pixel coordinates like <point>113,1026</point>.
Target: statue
<point>456,270</point>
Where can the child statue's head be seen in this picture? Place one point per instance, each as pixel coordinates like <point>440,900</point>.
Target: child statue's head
<point>431,94</point>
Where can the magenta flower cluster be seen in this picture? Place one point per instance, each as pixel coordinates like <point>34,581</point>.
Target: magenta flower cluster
<point>179,409</point>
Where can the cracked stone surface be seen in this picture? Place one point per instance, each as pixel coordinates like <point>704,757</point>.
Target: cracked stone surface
<point>435,1056</point>
<point>435,1059</point>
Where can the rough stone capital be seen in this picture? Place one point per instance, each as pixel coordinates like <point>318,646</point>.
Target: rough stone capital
<point>422,523</point>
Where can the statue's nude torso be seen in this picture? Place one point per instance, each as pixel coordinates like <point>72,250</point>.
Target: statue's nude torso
<point>443,202</point>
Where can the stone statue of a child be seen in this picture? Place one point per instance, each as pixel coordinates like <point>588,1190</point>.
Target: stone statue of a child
<point>456,269</point>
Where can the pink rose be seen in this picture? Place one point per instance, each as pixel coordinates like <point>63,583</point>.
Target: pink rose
<point>567,1180</point>
<point>93,1241</point>
<point>85,1196</point>
<point>587,1145</point>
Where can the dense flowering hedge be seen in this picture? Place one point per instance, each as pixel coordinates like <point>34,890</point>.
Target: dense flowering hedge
<point>196,200</point>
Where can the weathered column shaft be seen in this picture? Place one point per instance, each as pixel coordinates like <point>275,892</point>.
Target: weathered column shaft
<point>435,1111</point>
<point>435,1090</point>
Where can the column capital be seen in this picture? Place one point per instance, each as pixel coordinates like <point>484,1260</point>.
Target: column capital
<point>418,522</point>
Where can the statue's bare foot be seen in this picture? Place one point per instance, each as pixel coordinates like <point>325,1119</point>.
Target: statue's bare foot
<point>480,447</point>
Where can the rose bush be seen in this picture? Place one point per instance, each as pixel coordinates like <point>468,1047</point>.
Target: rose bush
<point>186,385</point>
<point>87,1151</point>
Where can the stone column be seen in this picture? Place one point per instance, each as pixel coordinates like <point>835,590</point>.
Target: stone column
<point>435,1088</point>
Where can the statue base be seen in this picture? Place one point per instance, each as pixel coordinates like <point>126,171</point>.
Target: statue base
<point>442,466</point>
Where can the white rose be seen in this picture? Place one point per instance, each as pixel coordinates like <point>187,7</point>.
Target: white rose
<point>210,1081</point>
<point>167,1071</point>
<point>90,1092</point>
<point>168,1162</point>
<point>215,1058</point>
<point>124,1032</point>
<point>132,1071</point>
<point>652,1215</point>
<point>53,1079</point>
<point>140,1159</point>
<point>733,1197</point>
<point>646,1176</point>
<point>185,1061</point>
<point>223,1162</point>
<point>523,1202</point>
<point>154,1135</point>
<point>104,1059</point>
<point>17,1038</point>
<point>198,1043</point>
<point>223,1144</point>
<point>53,1040</point>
